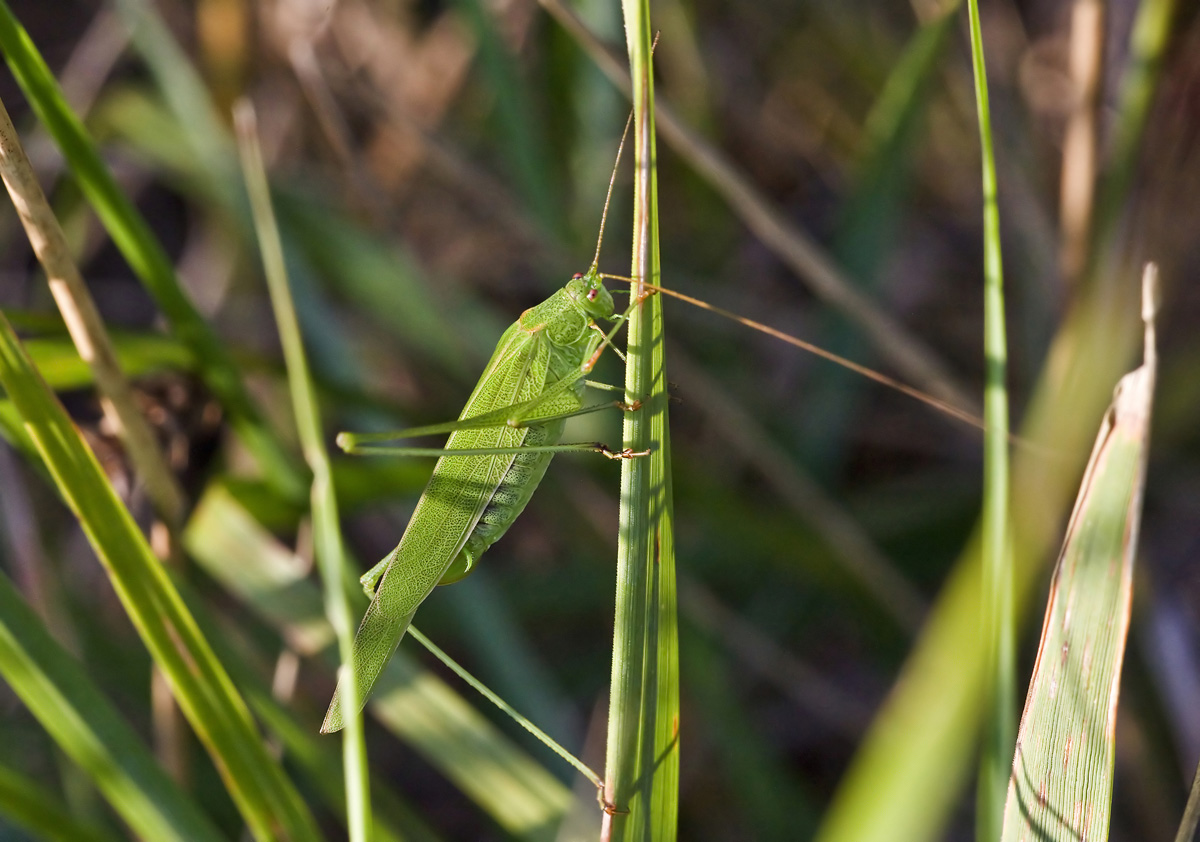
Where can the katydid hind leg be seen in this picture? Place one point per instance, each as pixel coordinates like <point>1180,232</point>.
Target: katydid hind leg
<point>514,415</point>
<point>462,565</point>
<point>516,421</point>
<point>603,387</point>
<point>370,579</point>
<point>462,452</point>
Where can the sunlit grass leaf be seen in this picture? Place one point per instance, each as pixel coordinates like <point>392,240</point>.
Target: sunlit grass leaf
<point>60,364</point>
<point>270,805</point>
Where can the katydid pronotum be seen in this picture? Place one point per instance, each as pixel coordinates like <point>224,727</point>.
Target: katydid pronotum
<point>495,457</point>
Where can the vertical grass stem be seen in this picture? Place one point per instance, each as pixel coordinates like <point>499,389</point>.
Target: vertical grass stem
<point>640,799</point>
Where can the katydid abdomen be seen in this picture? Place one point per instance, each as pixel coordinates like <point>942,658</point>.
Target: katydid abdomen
<point>520,480</point>
<point>470,501</point>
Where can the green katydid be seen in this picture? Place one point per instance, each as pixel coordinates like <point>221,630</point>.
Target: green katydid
<point>500,447</point>
<point>495,457</point>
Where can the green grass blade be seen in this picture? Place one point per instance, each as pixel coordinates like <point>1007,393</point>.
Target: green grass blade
<point>1062,772</point>
<point>132,235</point>
<point>642,763</point>
<point>327,536</point>
<point>520,795</point>
<point>269,804</point>
<point>998,619</point>
<point>88,728</point>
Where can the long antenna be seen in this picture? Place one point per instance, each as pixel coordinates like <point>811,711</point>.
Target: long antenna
<point>940,405</point>
<point>612,179</point>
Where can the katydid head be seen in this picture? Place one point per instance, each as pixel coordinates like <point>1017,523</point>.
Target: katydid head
<point>589,293</point>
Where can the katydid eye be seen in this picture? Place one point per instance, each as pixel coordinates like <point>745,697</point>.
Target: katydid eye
<point>591,296</point>
<point>577,276</point>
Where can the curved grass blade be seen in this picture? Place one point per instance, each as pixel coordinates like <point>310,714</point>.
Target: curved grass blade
<point>1062,772</point>
<point>137,353</point>
<point>270,805</point>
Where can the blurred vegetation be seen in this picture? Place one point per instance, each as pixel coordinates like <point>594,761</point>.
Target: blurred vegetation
<point>440,167</point>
